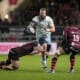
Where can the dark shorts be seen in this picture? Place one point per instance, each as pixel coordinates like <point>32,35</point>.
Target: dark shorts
<point>42,41</point>
<point>13,55</point>
<point>69,50</point>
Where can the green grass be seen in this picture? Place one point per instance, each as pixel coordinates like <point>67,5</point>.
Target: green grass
<point>30,69</point>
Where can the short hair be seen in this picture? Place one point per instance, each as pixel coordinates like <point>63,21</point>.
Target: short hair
<point>43,9</point>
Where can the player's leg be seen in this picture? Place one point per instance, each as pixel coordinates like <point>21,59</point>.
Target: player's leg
<point>44,56</point>
<point>14,65</point>
<point>14,59</point>
<point>8,60</point>
<point>48,50</point>
<point>54,59</point>
<point>43,44</point>
<point>72,61</point>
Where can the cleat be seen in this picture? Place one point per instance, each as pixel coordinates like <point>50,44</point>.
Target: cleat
<point>51,71</point>
<point>71,71</point>
<point>44,66</point>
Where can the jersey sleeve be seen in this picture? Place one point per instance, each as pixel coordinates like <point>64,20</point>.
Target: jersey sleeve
<point>65,38</point>
<point>65,32</point>
<point>34,19</point>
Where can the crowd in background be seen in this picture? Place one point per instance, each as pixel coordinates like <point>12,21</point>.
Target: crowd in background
<point>60,10</point>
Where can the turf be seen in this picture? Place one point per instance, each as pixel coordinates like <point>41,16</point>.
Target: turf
<point>31,69</point>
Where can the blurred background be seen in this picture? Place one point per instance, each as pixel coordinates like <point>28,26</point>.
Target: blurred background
<point>15,15</point>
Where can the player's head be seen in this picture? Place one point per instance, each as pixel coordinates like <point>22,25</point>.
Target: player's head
<point>71,23</point>
<point>42,13</point>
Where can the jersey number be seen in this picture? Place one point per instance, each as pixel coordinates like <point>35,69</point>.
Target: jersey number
<point>76,37</point>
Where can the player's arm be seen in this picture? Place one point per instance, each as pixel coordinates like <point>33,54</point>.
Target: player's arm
<point>30,27</point>
<point>51,26</point>
<point>64,43</point>
<point>65,38</point>
<point>39,49</point>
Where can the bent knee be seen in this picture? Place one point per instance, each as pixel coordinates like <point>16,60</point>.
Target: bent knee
<point>15,67</point>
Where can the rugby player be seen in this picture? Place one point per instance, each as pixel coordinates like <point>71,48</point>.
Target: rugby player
<point>44,26</point>
<point>12,62</point>
<point>70,45</point>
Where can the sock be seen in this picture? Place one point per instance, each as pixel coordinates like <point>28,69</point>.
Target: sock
<point>44,59</point>
<point>72,61</point>
<point>53,63</point>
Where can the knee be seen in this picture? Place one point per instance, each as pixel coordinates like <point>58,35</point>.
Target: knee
<point>15,67</point>
<point>58,53</point>
<point>8,62</point>
<point>48,48</point>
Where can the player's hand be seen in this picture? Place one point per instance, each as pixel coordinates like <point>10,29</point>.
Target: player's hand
<point>46,29</point>
<point>30,29</point>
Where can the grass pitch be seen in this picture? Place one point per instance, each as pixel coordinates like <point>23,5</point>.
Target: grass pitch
<point>31,69</point>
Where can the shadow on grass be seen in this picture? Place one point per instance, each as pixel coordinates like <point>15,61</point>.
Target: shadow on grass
<point>22,71</point>
<point>30,71</point>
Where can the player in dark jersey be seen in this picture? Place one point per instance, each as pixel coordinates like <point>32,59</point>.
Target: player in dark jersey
<point>16,53</point>
<point>70,44</point>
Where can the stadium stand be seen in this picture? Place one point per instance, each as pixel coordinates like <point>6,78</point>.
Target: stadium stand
<point>60,11</point>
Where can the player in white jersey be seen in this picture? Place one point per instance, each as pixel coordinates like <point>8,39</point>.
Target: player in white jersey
<point>44,26</point>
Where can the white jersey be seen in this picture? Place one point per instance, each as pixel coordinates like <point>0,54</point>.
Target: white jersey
<point>41,25</point>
